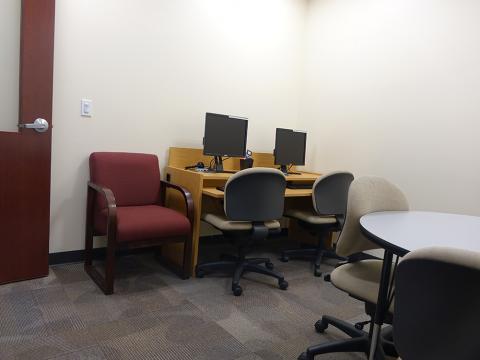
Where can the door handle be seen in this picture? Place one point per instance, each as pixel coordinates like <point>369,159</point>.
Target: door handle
<point>39,125</point>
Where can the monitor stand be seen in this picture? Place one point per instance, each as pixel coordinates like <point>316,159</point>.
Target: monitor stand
<point>284,169</point>
<point>218,165</point>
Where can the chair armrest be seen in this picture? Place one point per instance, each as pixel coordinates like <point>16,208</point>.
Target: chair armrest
<point>106,192</point>
<point>187,196</point>
<point>111,205</point>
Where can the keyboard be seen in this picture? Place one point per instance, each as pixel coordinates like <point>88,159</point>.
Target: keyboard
<point>299,185</point>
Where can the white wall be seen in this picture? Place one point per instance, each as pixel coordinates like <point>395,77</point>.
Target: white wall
<point>387,88</point>
<point>10,14</point>
<point>153,68</point>
<point>392,88</point>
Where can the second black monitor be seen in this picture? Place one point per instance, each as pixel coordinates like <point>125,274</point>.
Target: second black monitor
<point>290,148</point>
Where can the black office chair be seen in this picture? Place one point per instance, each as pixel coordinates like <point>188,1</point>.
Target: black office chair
<point>437,305</point>
<point>329,196</point>
<point>253,202</point>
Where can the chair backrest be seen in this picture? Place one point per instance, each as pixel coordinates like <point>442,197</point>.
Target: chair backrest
<point>437,305</point>
<point>255,194</point>
<point>366,195</point>
<point>133,178</point>
<point>330,194</point>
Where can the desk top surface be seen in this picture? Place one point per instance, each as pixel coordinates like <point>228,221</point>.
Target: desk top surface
<point>303,176</point>
<point>405,231</point>
<point>215,193</point>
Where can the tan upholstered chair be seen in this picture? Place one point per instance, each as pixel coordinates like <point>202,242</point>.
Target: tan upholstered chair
<point>253,203</point>
<point>329,204</point>
<point>437,305</point>
<point>359,279</point>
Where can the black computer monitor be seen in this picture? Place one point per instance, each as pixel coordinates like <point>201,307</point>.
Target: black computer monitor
<point>289,148</point>
<point>225,135</point>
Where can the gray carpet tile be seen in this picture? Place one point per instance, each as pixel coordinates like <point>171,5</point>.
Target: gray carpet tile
<point>155,315</point>
<point>93,353</point>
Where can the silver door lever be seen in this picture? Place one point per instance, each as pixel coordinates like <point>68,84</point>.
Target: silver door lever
<point>39,125</point>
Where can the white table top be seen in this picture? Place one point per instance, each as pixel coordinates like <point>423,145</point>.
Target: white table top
<point>405,231</point>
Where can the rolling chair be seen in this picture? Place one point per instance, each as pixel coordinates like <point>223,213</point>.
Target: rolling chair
<point>329,198</point>
<point>253,202</point>
<point>437,305</point>
<point>360,279</point>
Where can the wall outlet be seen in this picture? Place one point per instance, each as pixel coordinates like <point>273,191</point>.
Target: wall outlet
<point>86,108</point>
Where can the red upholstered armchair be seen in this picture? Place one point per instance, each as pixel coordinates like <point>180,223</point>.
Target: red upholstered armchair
<point>126,202</point>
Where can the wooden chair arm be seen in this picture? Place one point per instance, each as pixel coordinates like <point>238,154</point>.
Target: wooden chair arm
<point>111,206</point>
<point>186,195</point>
<point>106,192</point>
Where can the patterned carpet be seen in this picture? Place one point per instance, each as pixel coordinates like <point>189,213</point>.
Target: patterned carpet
<point>155,315</point>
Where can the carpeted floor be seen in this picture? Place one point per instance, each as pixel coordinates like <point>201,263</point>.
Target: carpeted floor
<point>155,315</point>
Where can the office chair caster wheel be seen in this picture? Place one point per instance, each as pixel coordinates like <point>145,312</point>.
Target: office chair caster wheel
<point>359,326</point>
<point>284,258</point>
<point>269,265</point>
<point>321,326</point>
<point>327,278</point>
<point>283,284</point>
<point>199,273</point>
<point>237,290</point>
<point>317,272</point>
<point>303,356</point>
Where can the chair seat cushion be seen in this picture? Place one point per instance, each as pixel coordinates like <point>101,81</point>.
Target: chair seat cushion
<point>136,223</point>
<point>310,217</point>
<point>360,279</point>
<point>222,223</point>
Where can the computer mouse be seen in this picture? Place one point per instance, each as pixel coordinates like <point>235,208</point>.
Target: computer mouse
<point>200,165</point>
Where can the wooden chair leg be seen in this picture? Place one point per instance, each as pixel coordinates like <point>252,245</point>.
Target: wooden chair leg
<point>88,247</point>
<point>187,257</point>
<point>110,268</point>
<point>104,283</point>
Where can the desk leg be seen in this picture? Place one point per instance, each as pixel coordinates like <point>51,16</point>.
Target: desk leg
<point>382,302</point>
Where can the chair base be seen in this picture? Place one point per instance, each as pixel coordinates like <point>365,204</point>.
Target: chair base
<point>238,266</point>
<point>315,254</point>
<point>359,340</point>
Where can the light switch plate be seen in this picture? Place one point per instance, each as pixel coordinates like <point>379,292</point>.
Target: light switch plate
<point>86,108</point>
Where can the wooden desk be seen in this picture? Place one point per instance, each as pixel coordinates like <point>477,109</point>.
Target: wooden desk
<point>218,194</point>
<point>206,197</point>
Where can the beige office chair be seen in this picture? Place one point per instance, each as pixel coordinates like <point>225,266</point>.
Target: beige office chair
<point>253,201</point>
<point>359,279</point>
<point>437,305</point>
<point>329,200</point>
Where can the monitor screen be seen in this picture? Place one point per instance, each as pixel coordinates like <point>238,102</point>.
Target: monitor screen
<point>290,147</point>
<point>225,135</point>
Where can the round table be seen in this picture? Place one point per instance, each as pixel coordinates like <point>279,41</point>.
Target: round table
<point>399,232</point>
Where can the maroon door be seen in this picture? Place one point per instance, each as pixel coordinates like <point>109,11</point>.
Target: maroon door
<point>25,155</point>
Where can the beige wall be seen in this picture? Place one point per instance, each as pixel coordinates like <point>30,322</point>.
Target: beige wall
<point>153,68</point>
<point>383,87</point>
<point>392,88</point>
<point>9,60</point>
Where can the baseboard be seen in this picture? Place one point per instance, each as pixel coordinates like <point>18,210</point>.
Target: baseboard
<point>99,253</point>
<point>79,255</point>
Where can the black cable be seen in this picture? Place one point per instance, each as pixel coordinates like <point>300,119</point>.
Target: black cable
<point>210,165</point>
<point>213,159</point>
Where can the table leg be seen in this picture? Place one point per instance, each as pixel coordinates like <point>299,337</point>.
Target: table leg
<point>382,302</point>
